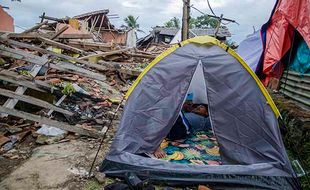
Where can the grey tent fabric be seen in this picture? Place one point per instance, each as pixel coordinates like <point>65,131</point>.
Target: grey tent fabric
<point>251,49</point>
<point>244,124</point>
<point>149,119</point>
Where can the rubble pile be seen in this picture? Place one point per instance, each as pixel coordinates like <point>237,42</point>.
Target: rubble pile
<point>64,77</point>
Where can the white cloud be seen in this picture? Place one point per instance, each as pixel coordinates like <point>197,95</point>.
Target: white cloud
<point>151,13</point>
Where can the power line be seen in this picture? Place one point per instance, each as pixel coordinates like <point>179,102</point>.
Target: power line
<point>217,17</point>
<point>210,8</point>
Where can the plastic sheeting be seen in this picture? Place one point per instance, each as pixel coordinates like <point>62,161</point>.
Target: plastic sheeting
<point>297,13</point>
<point>251,49</point>
<point>301,61</point>
<point>287,16</point>
<point>278,42</point>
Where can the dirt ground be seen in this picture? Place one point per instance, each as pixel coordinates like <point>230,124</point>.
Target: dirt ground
<point>56,166</point>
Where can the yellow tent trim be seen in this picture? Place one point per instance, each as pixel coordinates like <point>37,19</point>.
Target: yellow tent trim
<point>207,40</point>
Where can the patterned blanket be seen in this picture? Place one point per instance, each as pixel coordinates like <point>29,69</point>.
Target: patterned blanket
<point>199,149</point>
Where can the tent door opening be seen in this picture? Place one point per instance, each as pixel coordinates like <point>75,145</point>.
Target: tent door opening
<point>191,139</point>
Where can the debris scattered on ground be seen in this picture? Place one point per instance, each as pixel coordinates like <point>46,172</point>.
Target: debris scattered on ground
<point>63,78</point>
<point>60,82</point>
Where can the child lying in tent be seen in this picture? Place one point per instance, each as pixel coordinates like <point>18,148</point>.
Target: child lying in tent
<point>191,120</point>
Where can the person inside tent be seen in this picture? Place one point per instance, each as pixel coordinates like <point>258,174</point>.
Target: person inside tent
<point>190,120</point>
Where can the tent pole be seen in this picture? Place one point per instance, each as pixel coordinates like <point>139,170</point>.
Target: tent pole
<point>102,139</point>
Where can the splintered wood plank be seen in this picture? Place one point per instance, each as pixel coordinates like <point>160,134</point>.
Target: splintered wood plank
<point>57,104</point>
<point>20,82</point>
<point>103,54</point>
<point>62,66</point>
<point>50,122</point>
<point>35,27</point>
<point>34,101</point>
<point>70,68</point>
<point>35,36</point>
<point>61,45</point>
<point>59,32</point>
<point>15,78</point>
<point>44,51</point>
<point>10,103</point>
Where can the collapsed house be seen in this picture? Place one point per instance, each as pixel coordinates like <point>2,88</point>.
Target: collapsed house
<point>64,76</point>
<point>96,23</point>
<point>166,35</point>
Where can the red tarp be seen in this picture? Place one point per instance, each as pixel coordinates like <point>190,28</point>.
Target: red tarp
<point>287,16</point>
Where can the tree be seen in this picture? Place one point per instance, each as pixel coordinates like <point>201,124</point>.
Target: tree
<point>203,21</point>
<point>131,23</point>
<point>173,23</point>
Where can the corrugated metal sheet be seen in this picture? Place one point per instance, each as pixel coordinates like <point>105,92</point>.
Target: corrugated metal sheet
<point>296,86</point>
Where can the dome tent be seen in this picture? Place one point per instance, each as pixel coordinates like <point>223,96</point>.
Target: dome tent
<point>243,117</point>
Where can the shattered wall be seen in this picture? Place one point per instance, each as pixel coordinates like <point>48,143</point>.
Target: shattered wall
<point>6,21</point>
<point>116,37</point>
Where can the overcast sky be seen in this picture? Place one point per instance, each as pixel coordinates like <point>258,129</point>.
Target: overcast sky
<point>247,13</point>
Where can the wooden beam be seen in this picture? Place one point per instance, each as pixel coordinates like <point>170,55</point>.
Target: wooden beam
<point>34,27</point>
<point>34,101</point>
<point>62,66</point>
<point>103,54</point>
<point>25,83</point>
<point>57,104</point>
<point>44,120</point>
<point>22,55</point>
<point>42,17</point>
<point>35,36</point>
<point>142,55</point>
<point>70,68</point>
<point>59,32</point>
<point>44,51</point>
<point>61,45</point>
<point>10,103</point>
<point>114,66</point>
<point>62,20</point>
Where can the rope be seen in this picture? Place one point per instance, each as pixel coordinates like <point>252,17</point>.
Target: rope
<point>102,139</point>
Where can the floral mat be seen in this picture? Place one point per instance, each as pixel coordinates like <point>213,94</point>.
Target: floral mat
<point>199,149</point>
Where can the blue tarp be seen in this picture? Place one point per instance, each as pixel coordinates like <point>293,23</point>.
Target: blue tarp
<point>301,60</point>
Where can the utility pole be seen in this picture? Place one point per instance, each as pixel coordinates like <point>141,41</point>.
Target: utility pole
<point>185,19</point>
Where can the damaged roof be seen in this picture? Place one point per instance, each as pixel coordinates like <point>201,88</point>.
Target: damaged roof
<point>92,14</point>
<point>223,31</point>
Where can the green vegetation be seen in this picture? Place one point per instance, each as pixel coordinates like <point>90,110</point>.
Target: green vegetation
<point>131,23</point>
<point>92,185</point>
<point>198,22</point>
<point>173,23</point>
<point>68,89</point>
<point>24,72</point>
<point>203,22</point>
<point>296,137</point>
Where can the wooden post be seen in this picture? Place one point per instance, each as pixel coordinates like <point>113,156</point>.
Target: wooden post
<point>218,26</point>
<point>42,18</point>
<point>185,19</point>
